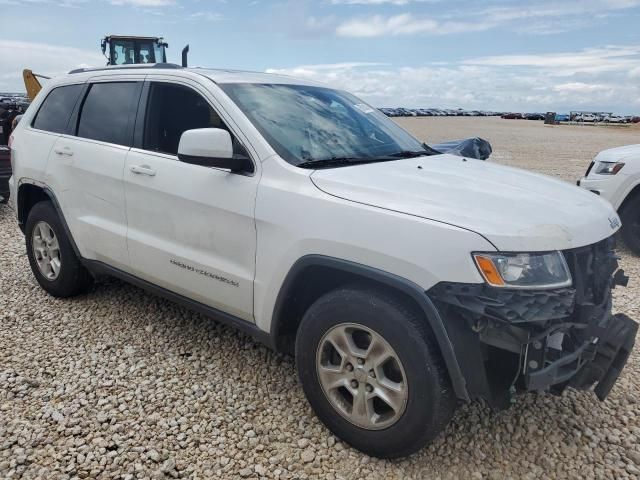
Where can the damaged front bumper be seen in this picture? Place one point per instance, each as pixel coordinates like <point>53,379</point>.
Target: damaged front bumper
<point>509,340</point>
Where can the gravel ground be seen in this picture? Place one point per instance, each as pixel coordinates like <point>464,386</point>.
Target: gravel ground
<point>120,384</point>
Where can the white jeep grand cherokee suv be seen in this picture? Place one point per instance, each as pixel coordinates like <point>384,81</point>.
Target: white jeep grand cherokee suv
<point>614,174</point>
<point>404,281</point>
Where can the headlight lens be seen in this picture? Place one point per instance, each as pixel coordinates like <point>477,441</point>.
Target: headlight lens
<point>524,270</point>
<point>608,168</point>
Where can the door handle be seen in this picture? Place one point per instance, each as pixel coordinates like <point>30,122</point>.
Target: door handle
<point>66,151</point>
<point>143,170</point>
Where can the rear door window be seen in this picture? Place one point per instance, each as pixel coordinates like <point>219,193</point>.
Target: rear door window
<point>108,112</point>
<point>55,111</point>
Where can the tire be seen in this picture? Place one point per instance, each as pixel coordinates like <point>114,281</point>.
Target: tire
<point>631,224</point>
<point>44,227</point>
<point>429,402</point>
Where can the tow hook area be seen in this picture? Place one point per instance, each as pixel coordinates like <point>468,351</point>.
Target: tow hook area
<point>612,353</point>
<point>598,361</point>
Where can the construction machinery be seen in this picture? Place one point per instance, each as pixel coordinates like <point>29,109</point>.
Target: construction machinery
<point>31,83</point>
<point>131,50</point>
<point>119,50</point>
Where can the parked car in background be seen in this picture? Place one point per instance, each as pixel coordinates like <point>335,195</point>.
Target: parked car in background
<point>512,116</point>
<point>614,174</point>
<point>635,119</point>
<point>562,117</point>
<point>615,119</point>
<point>534,116</point>
<point>585,117</point>
<point>5,172</point>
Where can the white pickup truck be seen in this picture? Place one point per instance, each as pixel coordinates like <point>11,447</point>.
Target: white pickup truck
<point>404,281</point>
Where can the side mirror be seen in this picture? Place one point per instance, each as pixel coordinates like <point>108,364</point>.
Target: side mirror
<point>211,147</point>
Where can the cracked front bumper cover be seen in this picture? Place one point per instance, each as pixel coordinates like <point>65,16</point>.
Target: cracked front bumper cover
<point>508,340</point>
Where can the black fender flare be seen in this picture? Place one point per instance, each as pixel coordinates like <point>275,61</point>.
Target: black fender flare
<point>393,281</point>
<point>56,205</point>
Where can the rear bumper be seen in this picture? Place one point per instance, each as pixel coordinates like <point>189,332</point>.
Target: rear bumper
<point>517,340</point>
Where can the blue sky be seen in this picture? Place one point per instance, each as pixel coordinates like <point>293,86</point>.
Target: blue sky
<point>485,54</point>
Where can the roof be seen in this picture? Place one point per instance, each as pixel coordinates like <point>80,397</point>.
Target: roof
<point>243,76</point>
<point>217,75</point>
<point>134,37</point>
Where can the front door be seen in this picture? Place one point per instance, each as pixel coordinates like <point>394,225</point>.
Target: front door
<point>191,229</point>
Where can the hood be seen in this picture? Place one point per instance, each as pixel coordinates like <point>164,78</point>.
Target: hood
<point>618,154</point>
<point>514,209</point>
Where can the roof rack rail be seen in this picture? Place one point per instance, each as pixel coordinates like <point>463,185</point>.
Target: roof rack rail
<point>171,66</point>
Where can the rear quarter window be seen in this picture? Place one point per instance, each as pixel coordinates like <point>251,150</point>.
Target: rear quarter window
<point>55,111</point>
<point>107,112</point>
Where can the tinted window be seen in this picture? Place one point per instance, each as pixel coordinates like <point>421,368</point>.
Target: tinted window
<point>56,109</point>
<point>173,109</point>
<point>107,110</point>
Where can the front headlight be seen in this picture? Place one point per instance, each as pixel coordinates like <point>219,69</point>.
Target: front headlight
<point>608,168</point>
<point>524,270</point>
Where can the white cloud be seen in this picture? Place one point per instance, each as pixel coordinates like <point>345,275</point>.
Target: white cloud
<point>144,3</point>
<point>405,24</point>
<point>371,2</point>
<point>580,87</point>
<point>208,16</point>
<point>588,61</point>
<point>42,58</point>
<point>540,17</point>
<point>560,82</point>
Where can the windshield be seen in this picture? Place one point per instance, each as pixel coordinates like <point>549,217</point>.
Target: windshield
<point>306,124</point>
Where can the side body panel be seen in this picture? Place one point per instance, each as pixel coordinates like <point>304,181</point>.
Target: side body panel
<point>295,219</point>
<point>86,176</point>
<point>88,183</point>
<point>191,229</point>
<point>31,147</point>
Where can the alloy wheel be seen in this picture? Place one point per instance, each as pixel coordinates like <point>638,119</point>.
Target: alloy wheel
<point>46,250</point>
<point>362,376</point>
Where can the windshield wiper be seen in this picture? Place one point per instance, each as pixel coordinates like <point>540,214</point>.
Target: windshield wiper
<point>337,161</point>
<point>411,154</point>
<point>342,161</point>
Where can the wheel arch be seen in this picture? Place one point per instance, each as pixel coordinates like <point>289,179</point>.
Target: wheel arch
<point>632,195</point>
<point>313,275</point>
<point>30,193</point>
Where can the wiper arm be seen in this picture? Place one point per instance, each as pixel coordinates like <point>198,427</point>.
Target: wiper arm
<point>335,161</point>
<point>413,153</point>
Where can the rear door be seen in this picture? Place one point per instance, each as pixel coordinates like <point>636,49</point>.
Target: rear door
<point>191,228</point>
<point>86,169</point>
<point>50,121</point>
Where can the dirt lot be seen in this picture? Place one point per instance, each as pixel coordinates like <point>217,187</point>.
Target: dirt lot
<point>560,150</point>
<point>120,384</point>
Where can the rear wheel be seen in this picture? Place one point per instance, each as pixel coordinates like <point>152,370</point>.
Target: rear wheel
<point>631,224</point>
<point>54,263</point>
<point>371,372</point>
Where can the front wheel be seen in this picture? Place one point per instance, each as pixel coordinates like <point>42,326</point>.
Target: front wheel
<point>372,373</point>
<point>631,224</point>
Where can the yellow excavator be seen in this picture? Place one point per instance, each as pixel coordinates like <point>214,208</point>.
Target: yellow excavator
<point>119,50</point>
<point>31,83</point>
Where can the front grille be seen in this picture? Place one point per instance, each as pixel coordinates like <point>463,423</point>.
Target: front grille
<point>592,268</point>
